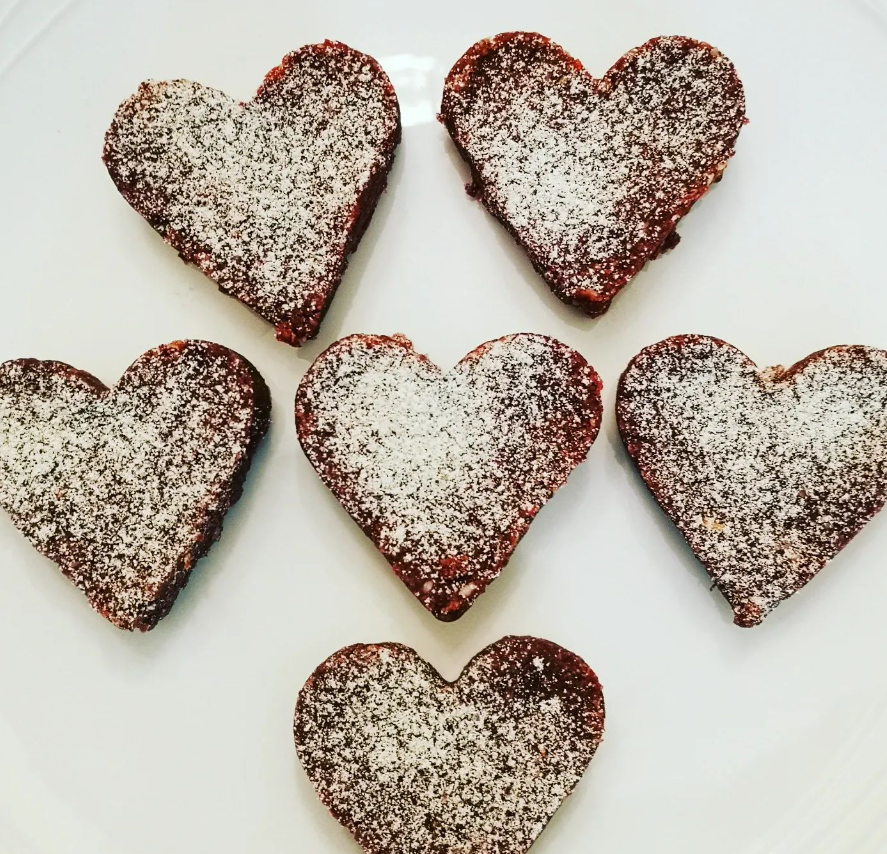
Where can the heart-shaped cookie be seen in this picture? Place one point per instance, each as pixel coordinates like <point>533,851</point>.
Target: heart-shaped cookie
<point>412,764</point>
<point>591,176</point>
<point>125,488</point>
<point>767,473</point>
<point>445,471</point>
<point>267,197</point>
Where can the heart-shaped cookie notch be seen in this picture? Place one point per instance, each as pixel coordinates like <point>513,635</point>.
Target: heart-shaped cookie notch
<point>125,488</point>
<point>768,473</point>
<point>445,471</point>
<point>410,763</point>
<point>590,176</point>
<point>267,197</point>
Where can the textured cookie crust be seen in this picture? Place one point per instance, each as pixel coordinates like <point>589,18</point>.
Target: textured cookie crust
<point>412,764</point>
<point>767,473</point>
<point>126,488</point>
<point>445,471</point>
<point>268,197</point>
<point>590,176</point>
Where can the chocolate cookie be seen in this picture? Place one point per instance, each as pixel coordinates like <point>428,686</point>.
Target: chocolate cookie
<point>410,763</point>
<point>445,471</point>
<point>268,197</point>
<point>125,488</point>
<point>590,176</point>
<point>767,473</point>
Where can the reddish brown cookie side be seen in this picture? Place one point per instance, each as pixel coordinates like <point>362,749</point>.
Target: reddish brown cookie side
<point>185,417</point>
<point>445,471</point>
<point>643,144</point>
<point>269,197</point>
<point>767,473</point>
<point>408,762</point>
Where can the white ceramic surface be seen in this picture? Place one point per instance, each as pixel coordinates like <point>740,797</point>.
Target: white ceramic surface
<point>718,739</point>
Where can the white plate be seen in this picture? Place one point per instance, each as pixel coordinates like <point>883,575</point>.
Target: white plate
<point>718,739</point>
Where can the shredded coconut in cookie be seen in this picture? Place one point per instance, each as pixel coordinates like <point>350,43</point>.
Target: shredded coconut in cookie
<point>767,473</point>
<point>122,487</point>
<point>445,471</point>
<point>263,196</point>
<point>412,764</point>
<point>592,175</point>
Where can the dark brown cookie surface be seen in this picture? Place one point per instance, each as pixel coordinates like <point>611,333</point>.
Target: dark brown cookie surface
<point>590,176</point>
<point>767,473</point>
<point>410,763</point>
<point>126,488</point>
<point>267,197</point>
<point>445,471</point>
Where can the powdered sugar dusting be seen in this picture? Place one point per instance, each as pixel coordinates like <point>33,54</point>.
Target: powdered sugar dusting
<point>446,471</point>
<point>767,473</point>
<point>125,488</point>
<point>412,764</point>
<point>591,175</point>
<point>266,196</point>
